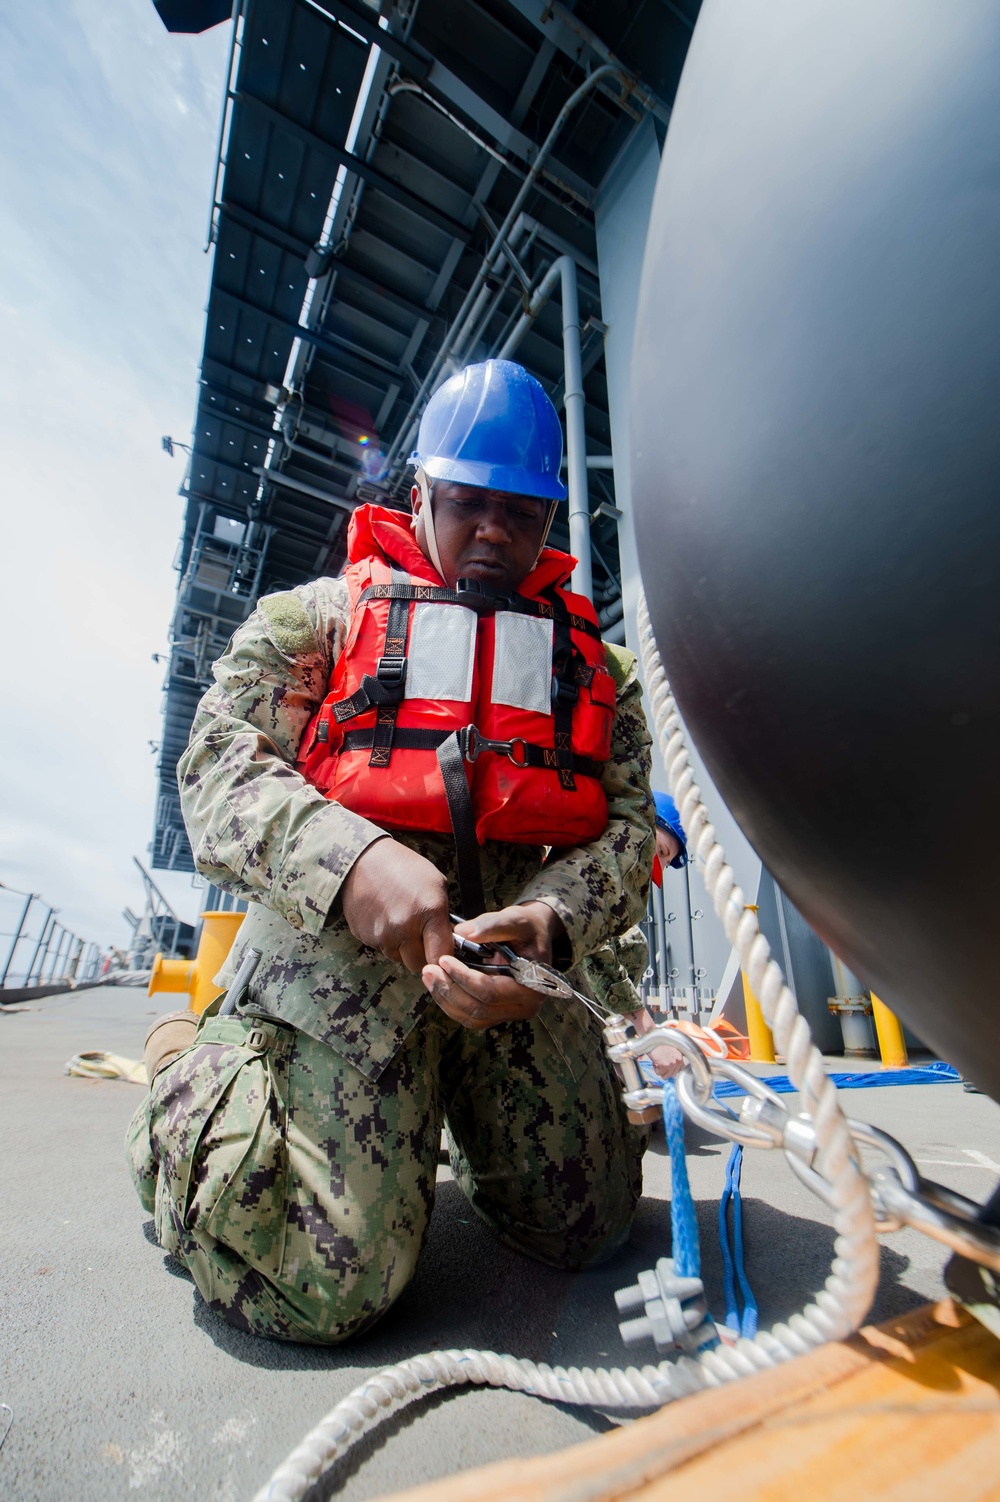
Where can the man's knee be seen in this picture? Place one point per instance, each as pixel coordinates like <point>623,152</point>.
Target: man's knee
<point>280,1204</point>
<point>568,1217</point>
<point>321,1306</point>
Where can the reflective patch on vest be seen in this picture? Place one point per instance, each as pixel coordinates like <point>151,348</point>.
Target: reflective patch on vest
<point>442,652</point>
<point>522,662</point>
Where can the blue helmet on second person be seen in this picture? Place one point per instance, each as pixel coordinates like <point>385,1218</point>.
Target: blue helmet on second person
<point>492,425</point>
<point>668,817</point>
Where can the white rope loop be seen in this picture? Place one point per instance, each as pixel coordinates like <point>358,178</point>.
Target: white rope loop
<point>835,1313</point>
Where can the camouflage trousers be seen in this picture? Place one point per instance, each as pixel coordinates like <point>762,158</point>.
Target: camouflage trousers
<point>298,1192</point>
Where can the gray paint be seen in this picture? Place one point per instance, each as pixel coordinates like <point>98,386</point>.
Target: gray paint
<point>622,212</point>
<point>126,1389</point>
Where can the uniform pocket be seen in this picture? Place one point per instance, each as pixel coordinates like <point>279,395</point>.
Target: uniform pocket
<point>217,1126</point>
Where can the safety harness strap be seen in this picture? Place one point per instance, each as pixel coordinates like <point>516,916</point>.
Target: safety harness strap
<point>480,598</point>
<point>521,753</point>
<point>386,690</point>
<point>463,824</point>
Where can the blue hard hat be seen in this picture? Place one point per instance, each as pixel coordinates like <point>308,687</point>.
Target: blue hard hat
<point>493,426</point>
<point>668,816</point>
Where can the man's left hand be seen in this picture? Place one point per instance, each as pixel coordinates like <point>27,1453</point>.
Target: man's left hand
<point>479,1000</point>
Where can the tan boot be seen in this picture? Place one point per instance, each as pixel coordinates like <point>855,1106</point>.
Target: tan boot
<point>168,1037</point>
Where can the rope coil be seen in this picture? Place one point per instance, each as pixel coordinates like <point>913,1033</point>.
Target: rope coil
<point>834,1314</point>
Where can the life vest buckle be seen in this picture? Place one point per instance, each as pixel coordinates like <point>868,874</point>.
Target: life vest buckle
<point>391,671</point>
<point>479,597</point>
<point>473,744</point>
<point>564,693</point>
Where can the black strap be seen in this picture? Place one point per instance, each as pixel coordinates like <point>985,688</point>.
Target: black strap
<point>387,689</point>
<point>483,600</point>
<point>463,824</point>
<point>404,739</point>
<point>526,754</point>
<point>564,696</point>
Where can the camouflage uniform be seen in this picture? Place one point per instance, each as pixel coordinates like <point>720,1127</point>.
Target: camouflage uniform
<point>613,973</point>
<point>289,1156</point>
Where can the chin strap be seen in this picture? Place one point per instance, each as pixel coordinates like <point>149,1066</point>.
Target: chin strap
<point>428,515</point>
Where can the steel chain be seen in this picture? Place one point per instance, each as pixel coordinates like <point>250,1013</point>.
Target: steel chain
<point>901,1196</point>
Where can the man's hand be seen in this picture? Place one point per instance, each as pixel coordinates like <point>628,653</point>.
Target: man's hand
<point>396,901</point>
<point>473,997</point>
<point>666,1061</point>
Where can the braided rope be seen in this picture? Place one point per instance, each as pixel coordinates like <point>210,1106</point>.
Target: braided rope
<point>835,1313</point>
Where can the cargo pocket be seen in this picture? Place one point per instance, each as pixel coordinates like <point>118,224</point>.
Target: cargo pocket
<point>574,1035</point>
<point>217,1124</point>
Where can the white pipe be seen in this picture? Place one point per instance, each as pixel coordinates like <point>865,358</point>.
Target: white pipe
<point>576,435</point>
<point>580,93</point>
<point>563,270</point>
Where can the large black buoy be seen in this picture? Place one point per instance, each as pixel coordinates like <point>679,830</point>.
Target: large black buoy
<point>816,462</point>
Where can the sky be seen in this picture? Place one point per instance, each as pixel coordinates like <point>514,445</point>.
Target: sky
<point>108,130</point>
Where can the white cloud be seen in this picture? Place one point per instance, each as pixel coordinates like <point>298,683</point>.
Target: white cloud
<point>102,290</point>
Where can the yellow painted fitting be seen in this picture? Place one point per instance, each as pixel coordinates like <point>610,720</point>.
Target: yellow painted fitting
<point>218,930</point>
<point>891,1043</point>
<point>196,976</point>
<point>758,1032</point>
<point>170,975</point>
<point>761,1041</point>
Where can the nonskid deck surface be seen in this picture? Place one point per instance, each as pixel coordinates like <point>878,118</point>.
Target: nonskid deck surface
<point>123,1385</point>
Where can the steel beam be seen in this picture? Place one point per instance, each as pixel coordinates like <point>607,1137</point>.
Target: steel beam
<point>288,482</point>
<point>362,20</point>
<point>371,175</point>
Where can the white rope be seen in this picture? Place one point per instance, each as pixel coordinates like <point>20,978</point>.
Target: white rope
<point>836,1312</point>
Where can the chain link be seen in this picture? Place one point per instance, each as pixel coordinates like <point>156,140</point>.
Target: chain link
<point>901,1196</point>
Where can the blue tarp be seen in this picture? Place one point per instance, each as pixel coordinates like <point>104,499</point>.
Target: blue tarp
<point>935,1073</point>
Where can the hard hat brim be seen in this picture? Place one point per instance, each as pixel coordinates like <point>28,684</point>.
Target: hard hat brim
<point>485,476</point>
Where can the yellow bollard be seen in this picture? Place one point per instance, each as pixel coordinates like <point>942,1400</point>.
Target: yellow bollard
<point>891,1043</point>
<point>758,1032</point>
<point>218,932</point>
<point>761,1041</point>
<point>171,975</point>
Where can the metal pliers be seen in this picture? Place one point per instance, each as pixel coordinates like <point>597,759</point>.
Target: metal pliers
<point>533,974</point>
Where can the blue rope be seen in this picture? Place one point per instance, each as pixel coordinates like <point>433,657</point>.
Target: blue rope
<point>733,1267</point>
<point>683,1222</point>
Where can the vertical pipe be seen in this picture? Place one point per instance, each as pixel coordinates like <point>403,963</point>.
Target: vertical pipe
<point>46,951</point>
<point>41,935</point>
<point>891,1043</point>
<point>662,961</point>
<point>576,435</point>
<point>17,939</point>
<point>692,967</point>
<point>56,952</point>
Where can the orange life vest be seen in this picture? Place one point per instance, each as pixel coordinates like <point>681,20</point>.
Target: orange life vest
<point>513,688</point>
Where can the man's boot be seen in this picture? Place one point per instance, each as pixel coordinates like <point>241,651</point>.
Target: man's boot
<point>168,1037</point>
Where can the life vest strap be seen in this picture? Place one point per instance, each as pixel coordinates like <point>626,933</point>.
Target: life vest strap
<point>484,601</point>
<point>472,745</point>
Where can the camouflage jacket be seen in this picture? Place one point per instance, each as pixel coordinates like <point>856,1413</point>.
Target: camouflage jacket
<point>260,831</point>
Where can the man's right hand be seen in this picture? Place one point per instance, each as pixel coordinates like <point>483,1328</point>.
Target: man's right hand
<point>396,901</point>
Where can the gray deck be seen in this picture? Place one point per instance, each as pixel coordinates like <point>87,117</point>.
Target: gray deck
<point>122,1384</point>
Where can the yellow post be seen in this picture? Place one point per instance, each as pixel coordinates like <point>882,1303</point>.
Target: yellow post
<point>758,1032</point>
<point>891,1043</point>
<point>218,931</point>
<point>195,976</point>
<point>761,1042</point>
